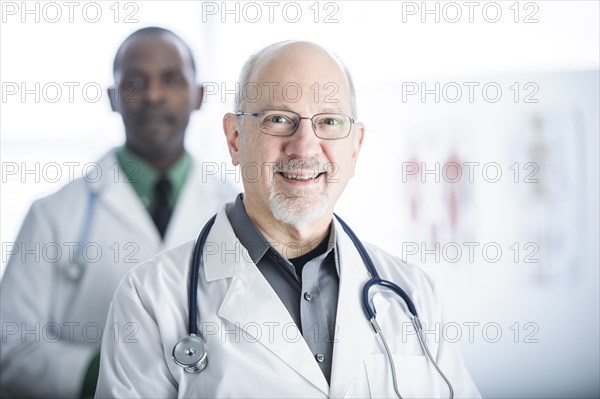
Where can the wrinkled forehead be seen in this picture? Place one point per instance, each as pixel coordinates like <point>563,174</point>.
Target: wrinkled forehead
<point>300,73</point>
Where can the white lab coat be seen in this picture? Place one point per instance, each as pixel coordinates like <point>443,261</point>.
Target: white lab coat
<point>52,317</point>
<point>254,347</point>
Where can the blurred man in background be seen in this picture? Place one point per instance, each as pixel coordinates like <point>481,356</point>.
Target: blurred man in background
<point>144,197</point>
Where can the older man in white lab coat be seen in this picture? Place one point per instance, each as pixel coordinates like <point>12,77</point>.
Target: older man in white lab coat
<point>75,245</point>
<point>280,285</point>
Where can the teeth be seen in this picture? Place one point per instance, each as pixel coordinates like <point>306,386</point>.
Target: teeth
<point>299,177</point>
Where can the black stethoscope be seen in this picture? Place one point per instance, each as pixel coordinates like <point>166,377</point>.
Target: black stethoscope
<point>191,352</point>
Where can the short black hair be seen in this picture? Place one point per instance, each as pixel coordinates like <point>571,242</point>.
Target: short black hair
<point>156,30</point>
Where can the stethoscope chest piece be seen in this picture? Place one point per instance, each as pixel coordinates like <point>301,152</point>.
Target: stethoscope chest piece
<point>190,353</point>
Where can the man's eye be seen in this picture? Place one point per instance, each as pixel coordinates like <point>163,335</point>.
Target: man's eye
<point>172,80</point>
<point>277,119</point>
<point>135,83</point>
<point>330,122</point>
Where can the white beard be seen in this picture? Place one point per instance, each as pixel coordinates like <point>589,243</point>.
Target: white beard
<point>298,207</point>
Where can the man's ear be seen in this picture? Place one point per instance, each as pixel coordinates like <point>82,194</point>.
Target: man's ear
<point>113,97</point>
<point>199,96</point>
<point>359,135</point>
<point>232,134</point>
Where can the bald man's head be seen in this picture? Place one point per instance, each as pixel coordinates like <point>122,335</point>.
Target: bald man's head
<point>288,54</point>
<point>153,30</point>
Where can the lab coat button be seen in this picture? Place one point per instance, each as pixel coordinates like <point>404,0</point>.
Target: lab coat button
<point>307,296</point>
<point>320,357</point>
<point>74,271</point>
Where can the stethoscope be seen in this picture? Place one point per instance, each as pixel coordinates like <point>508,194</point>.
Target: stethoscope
<point>191,352</point>
<point>74,270</point>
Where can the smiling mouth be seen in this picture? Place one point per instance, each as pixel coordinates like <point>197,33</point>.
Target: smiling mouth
<point>301,176</point>
<point>299,171</point>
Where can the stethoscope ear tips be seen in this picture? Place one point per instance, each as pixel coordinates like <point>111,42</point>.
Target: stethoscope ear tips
<point>191,353</point>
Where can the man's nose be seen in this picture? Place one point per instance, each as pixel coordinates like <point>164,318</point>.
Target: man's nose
<point>154,92</point>
<point>304,143</point>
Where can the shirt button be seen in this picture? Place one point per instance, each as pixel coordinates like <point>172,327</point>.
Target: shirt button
<point>307,296</point>
<point>320,358</point>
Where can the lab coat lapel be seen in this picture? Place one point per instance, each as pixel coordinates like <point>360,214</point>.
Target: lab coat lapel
<point>118,195</point>
<point>198,196</point>
<point>191,204</point>
<point>355,336</point>
<point>250,302</point>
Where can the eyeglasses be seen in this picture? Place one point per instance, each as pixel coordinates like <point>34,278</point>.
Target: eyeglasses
<point>329,126</point>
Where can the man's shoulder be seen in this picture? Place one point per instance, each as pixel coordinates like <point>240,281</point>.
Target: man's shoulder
<point>374,250</point>
<point>393,268</point>
<point>66,198</point>
<point>169,266</point>
<point>93,175</point>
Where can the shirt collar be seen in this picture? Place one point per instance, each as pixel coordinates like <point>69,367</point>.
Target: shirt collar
<point>246,231</point>
<point>143,176</point>
<point>252,239</point>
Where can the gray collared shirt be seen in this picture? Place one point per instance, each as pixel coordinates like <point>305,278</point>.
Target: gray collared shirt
<point>311,300</point>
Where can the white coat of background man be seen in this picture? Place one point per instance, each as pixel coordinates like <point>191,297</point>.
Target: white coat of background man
<point>150,196</point>
<point>279,291</point>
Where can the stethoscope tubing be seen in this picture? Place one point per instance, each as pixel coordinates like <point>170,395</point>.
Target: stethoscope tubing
<point>375,279</point>
<point>195,272</point>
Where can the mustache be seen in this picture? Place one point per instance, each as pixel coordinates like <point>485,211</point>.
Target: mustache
<point>303,164</point>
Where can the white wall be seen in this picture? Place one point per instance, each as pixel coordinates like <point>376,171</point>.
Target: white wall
<point>389,50</point>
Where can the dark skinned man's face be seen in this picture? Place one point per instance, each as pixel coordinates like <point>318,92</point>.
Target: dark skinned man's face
<point>156,94</point>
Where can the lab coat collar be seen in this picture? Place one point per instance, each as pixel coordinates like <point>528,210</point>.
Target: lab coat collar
<point>197,191</point>
<point>250,301</point>
<point>111,187</point>
<point>109,183</point>
<point>221,237</point>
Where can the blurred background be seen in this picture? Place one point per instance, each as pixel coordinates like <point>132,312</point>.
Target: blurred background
<point>480,162</point>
